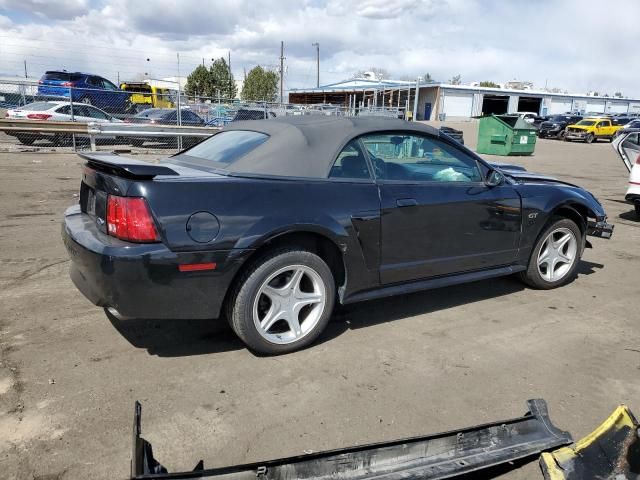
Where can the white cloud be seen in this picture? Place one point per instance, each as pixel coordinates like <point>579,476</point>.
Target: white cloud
<point>565,44</point>
<point>53,9</point>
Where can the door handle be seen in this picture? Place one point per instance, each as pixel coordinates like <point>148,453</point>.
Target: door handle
<point>406,202</point>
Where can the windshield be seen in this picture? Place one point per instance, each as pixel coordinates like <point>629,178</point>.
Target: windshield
<point>586,123</point>
<point>558,118</point>
<point>61,76</point>
<point>221,150</point>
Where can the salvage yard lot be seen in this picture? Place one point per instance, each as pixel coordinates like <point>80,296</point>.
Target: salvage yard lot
<point>391,368</point>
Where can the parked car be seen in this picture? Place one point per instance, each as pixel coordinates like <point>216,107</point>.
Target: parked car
<point>591,130</point>
<point>627,144</point>
<point>632,124</point>
<point>274,221</point>
<point>453,133</point>
<point>556,125</point>
<point>57,111</point>
<point>252,114</point>
<point>165,116</point>
<point>143,96</point>
<point>84,88</point>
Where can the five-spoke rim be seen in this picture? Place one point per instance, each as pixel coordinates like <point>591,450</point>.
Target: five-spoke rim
<point>289,304</point>
<point>557,254</point>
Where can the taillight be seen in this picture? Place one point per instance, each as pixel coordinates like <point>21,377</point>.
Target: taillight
<point>127,120</point>
<point>638,160</point>
<point>67,84</point>
<point>129,218</point>
<point>39,116</point>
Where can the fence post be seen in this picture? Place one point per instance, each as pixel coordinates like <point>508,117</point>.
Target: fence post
<point>73,135</point>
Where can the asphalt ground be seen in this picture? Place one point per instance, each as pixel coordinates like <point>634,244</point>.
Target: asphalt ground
<point>410,365</point>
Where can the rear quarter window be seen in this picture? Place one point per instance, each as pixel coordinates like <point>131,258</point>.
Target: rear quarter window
<point>222,150</point>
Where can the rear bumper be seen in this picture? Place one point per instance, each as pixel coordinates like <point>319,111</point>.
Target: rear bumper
<point>600,229</point>
<point>143,280</point>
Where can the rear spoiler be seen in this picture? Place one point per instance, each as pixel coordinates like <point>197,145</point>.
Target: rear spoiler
<point>438,456</point>
<point>125,167</point>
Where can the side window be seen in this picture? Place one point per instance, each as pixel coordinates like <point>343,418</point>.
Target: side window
<point>351,163</point>
<point>65,110</point>
<point>632,141</point>
<point>398,156</point>
<point>106,84</point>
<point>95,113</point>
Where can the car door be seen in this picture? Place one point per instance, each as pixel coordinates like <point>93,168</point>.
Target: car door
<point>628,147</point>
<point>438,216</point>
<point>96,114</point>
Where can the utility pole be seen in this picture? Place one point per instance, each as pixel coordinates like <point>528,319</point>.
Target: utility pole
<point>25,69</point>
<point>281,73</point>
<point>317,45</point>
<point>415,100</point>
<point>229,62</point>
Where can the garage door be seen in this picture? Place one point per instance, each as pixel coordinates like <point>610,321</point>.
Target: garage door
<point>618,107</point>
<point>457,104</point>
<point>595,106</point>
<point>559,105</point>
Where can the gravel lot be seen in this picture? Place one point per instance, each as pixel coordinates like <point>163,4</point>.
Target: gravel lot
<point>410,365</point>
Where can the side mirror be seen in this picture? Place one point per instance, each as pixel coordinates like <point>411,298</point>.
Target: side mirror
<point>494,179</point>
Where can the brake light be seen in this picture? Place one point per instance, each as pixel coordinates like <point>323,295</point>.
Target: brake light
<point>127,120</point>
<point>638,160</point>
<point>67,84</point>
<point>129,218</point>
<point>39,116</point>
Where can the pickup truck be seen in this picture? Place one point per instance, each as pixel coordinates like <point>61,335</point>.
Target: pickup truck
<point>591,129</point>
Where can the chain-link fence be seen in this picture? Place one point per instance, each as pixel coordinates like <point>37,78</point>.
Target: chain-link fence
<point>135,115</point>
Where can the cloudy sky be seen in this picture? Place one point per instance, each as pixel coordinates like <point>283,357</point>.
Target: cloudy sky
<point>575,45</point>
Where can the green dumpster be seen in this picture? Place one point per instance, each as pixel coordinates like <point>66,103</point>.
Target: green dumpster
<point>505,135</point>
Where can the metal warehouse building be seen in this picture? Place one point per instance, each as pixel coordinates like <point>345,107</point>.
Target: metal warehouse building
<point>443,101</point>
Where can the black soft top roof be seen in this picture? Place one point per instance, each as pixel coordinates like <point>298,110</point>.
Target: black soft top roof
<point>307,145</point>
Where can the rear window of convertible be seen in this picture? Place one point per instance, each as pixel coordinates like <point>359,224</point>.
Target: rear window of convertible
<point>221,150</point>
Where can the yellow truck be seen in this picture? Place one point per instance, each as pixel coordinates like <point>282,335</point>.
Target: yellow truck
<point>591,129</point>
<point>143,96</point>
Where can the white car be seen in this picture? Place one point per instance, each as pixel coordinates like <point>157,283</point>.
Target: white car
<point>58,111</point>
<point>627,144</point>
<point>528,117</point>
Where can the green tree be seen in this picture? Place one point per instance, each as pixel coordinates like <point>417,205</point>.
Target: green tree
<point>490,84</point>
<point>198,82</point>
<point>222,82</point>
<point>618,94</point>
<point>428,78</point>
<point>260,84</point>
<point>456,80</point>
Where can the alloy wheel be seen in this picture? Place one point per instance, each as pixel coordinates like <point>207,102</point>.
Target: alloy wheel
<point>557,254</point>
<point>289,304</point>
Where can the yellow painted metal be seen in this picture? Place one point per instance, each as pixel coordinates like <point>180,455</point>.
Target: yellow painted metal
<point>552,462</point>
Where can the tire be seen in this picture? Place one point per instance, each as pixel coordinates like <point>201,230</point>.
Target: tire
<point>565,139</point>
<point>538,276</point>
<point>26,139</point>
<point>281,279</point>
<point>590,138</point>
<point>560,135</point>
<point>637,209</point>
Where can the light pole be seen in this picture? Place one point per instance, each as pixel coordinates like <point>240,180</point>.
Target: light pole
<point>317,45</point>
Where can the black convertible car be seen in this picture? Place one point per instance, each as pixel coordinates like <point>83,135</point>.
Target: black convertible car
<point>270,222</point>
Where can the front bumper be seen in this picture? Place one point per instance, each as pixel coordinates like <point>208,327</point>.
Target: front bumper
<point>600,229</point>
<point>575,135</point>
<point>143,280</point>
